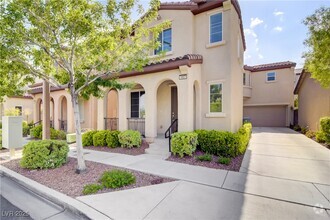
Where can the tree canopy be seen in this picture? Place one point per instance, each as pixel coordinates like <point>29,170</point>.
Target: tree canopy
<point>79,43</point>
<point>318,41</point>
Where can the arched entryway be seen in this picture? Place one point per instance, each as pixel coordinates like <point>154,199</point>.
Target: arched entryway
<point>63,113</point>
<point>136,120</point>
<point>111,119</point>
<point>39,110</point>
<point>167,107</point>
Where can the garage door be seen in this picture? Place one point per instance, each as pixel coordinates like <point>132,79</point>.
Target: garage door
<point>266,116</point>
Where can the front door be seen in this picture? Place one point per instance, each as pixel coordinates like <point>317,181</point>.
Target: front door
<point>174,106</point>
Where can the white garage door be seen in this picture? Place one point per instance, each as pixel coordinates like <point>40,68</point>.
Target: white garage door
<point>266,116</point>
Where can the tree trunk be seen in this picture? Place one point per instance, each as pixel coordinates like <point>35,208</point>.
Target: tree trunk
<point>80,156</point>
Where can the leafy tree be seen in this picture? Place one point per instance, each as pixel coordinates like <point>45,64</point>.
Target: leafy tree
<point>318,41</point>
<point>79,43</point>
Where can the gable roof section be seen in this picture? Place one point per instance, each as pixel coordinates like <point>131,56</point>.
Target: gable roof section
<point>167,64</point>
<point>300,81</point>
<point>270,66</point>
<point>200,6</point>
<point>36,90</point>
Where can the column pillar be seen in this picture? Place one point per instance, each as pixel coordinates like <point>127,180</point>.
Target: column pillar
<point>123,99</point>
<point>46,110</point>
<point>56,114</point>
<point>151,113</point>
<point>100,114</point>
<point>185,101</point>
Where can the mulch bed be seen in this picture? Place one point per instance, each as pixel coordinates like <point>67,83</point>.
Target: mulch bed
<point>234,165</point>
<point>120,150</point>
<point>65,180</point>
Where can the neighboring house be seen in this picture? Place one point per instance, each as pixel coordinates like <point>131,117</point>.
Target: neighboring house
<point>23,103</point>
<point>198,82</point>
<point>313,101</point>
<point>268,94</point>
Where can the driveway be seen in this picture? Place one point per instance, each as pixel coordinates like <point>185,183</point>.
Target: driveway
<point>286,154</point>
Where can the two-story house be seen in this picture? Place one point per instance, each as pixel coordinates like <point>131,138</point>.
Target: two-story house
<point>198,82</point>
<point>268,94</point>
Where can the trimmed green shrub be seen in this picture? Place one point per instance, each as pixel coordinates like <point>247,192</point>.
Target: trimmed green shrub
<point>320,137</point>
<point>36,132</point>
<point>205,157</point>
<point>112,139</point>
<point>26,130</point>
<point>244,135</point>
<point>310,134</point>
<point>92,188</point>
<point>61,135</point>
<point>304,130</point>
<point>325,128</point>
<point>116,179</point>
<point>87,138</point>
<point>0,125</point>
<point>184,143</point>
<point>129,139</point>
<point>224,160</point>
<point>100,138</point>
<point>297,128</point>
<point>44,154</point>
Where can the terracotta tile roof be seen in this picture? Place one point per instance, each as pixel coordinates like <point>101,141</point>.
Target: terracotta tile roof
<point>21,96</point>
<point>52,89</point>
<point>184,57</point>
<point>270,66</point>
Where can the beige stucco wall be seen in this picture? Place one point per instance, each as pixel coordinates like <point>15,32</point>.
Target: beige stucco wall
<point>277,93</point>
<point>27,105</point>
<point>314,103</point>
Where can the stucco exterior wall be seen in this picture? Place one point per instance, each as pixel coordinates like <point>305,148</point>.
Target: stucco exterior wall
<point>26,104</point>
<point>314,103</point>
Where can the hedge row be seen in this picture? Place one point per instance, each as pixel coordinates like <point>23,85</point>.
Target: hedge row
<point>323,136</point>
<point>220,143</point>
<point>36,132</point>
<point>127,139</point>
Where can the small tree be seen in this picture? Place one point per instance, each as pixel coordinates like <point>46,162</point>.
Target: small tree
<point>318,57</point>
<point>79,43</point>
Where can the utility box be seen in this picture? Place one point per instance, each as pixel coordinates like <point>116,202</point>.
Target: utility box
<point>12,132</point>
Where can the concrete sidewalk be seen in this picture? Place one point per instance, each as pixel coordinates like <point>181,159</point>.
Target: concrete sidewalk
<point>204,193</point>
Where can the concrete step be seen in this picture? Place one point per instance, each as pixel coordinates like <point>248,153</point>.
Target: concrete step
<point>159,148</point>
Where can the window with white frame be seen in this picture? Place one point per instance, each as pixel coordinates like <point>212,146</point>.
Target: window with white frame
<point>216,27</point>
<point>215,97</point>
<point>271,77</point>
<point>137,104</point>
<point>165,39</point>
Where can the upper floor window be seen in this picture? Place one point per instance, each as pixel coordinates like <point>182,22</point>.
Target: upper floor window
<point>165,39</point>
<point>216,28</point>
<point>216,98</point>
<point>271,77</point>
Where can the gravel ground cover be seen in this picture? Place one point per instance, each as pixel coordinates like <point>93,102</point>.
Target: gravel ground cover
<point>65,180</point>
<point>130,151</point>
<point>234,165</point>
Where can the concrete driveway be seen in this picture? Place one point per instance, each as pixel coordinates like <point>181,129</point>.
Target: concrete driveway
<point>286,154</point>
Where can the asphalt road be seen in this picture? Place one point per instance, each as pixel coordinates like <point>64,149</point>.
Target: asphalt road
<point>9,211</point>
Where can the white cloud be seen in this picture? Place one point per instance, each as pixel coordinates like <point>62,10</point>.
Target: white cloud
<point>257,49</point>
<point>256,40</point>
<point>247,56</point>
<point>248,31</point>
<point>278,29</point>
<point>255,22</point>
<point>260,56</point>
<point>278,13</point>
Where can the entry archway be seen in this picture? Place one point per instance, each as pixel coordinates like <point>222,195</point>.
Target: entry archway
<point>111,119</point>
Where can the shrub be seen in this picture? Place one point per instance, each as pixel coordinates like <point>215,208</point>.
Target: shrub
<point>310,134</point>
<point>44,154</point>
<point>184,143</point>
<point>0,125</point>
<point>130,139</point>
<point>244,135</point>
<point>297,128</point>
<point>91,188</point>
<point>112,139</point>
<point>87,138</point>
<point>26,130</point>
<point>221,143</point>
<point>320,137</point>
<point>116,179</point>
<point>205,157</point>
<point>0,139</point>
<point>100,138</point>
<point>304,130</point>
<point>325,128</point>
<point>224,160</point>
<point>36,132</point>
<point>61,135</point>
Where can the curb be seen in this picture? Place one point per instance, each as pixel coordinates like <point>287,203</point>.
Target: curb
<point>82,210</point>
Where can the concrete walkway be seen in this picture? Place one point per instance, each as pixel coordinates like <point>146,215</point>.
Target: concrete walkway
<point>284,175</point>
